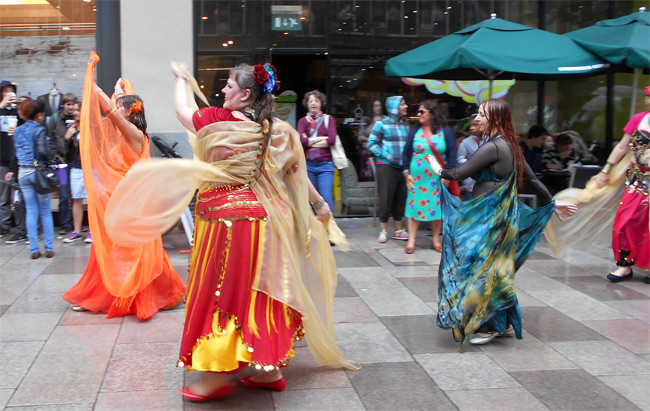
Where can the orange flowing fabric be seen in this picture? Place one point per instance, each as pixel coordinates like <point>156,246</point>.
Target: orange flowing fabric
<point>117,280</point>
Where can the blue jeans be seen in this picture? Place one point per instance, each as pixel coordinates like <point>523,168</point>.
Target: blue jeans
<point>65,213</point>
<point>321,175</point>
<point>38,206</point>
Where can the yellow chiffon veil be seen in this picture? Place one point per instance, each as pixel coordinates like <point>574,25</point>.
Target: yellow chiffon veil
<point>591,226</point>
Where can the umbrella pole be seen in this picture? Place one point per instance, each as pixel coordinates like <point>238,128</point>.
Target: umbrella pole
<point>635,82</point>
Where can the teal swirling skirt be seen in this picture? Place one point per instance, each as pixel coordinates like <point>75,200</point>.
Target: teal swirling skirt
<point>485,241</point>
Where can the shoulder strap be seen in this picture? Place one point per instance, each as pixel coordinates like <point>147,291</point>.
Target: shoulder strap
<point>320,121</point>
<point>434,151</point>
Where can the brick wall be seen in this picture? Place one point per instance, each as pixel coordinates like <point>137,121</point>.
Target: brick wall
<point>36,63</point>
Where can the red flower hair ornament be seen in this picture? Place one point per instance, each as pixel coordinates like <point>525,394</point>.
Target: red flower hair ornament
<point>267,76</point>
<point>136,107</point>
<point>647,91</point>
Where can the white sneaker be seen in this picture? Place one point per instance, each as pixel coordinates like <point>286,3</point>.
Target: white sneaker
<point>481,338</point>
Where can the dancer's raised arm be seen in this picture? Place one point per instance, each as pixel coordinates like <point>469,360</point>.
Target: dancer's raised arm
<point>184,111</point>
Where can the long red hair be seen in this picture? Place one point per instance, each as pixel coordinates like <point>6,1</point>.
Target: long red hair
<point>499,119</point>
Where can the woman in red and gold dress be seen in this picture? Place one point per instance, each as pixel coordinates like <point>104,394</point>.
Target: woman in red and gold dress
<point>614,206</point>
<point>630,239</point>
<point>118,280</point>
<point>262,273</point>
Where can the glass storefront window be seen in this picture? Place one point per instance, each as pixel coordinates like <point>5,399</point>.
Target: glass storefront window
<point>212,74</point>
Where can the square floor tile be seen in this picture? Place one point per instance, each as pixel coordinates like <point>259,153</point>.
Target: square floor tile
<point>557,268</point>
<point>53,284</point>
<point>143,366</point>
<point>631,334</point>
<point>354,259</point>
<point>414,271</point>
<point>87,318</point>
<point>538,255</point>
<point>578,305</point>
<point>344,289</point>
<point>548,324</point>
<point>369,277</point>
<point>466,371</point>
<point>304,372</point>
<point>38,303</point>
<point>73,361</point>
<point>571,390</point>
<point>426,288</point>
<point>164,326</point>
<point>639,309</point>
<point>352,310</point>
<point>334,399</point>
<point>495,400</point>
<point>394,301</point>
<point>633,387</point>
<point>397,256</point>
<point>602,289</point>
<point>15,360</point>
<point>368,343</point>
<point>28,326</point>
<point>421,335</point>
<point>527,354</point>
<point>601,358</point>
<point>397,386</point>
<point>5,394</point>
<point>66,265</point>
<point>139,400</point>
<point>526,300</point>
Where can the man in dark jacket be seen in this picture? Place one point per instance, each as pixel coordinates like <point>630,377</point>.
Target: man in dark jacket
<point>57,128</point>
<point>8,166</point>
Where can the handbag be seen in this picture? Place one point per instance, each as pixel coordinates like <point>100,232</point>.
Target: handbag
<point>339,158</point>
<point>45,180</point>
<point>453,187</point>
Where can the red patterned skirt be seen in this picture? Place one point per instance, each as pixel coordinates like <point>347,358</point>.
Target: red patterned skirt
<point>630,241</point>
<point>227,323</point>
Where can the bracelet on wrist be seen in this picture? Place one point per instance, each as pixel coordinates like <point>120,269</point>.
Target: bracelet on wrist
<point>178,77</point>
<point>317,205</point>
<point>607,168</point>
<point>110,113</point>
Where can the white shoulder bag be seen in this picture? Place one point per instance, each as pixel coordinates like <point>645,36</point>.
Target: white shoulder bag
<point>339,158</point>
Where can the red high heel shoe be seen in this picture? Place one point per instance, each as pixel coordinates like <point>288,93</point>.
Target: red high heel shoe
<point>279,385</point>
<point>223,391</point>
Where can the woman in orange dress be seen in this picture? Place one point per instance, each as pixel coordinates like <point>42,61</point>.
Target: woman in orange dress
<point>118,280</point>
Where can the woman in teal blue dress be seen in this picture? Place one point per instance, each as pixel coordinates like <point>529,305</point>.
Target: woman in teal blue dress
<point>431,137</point>
<point>486,239</point>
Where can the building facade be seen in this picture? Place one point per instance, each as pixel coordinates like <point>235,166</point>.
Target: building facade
<point>338,47</point>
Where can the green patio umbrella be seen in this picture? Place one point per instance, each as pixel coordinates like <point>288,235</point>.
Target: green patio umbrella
<point>624,41</point>
<point>497,49</point>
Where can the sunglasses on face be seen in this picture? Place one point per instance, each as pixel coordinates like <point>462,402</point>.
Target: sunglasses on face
<point>420,112</point>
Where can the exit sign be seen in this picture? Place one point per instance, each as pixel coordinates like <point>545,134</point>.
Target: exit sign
<point>286,18</point>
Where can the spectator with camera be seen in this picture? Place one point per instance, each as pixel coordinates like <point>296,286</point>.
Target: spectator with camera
<point>8,167</point>
<point>57,128</point>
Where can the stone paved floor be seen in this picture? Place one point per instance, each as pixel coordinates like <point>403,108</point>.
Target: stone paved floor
<point>586,341</point>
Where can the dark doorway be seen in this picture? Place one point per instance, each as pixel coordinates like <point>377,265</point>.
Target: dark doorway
<point>301,73</point>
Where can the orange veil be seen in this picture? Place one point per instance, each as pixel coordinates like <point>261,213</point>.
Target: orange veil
<point>106,157</point>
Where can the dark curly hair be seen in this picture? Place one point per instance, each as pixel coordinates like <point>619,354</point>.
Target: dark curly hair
<point>437,118</point>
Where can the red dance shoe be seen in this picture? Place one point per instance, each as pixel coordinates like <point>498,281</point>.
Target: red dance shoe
<point>223,391</point>
<point>279,385</point>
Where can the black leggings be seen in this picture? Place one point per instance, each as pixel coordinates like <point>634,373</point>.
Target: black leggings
<point>392,192</point>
